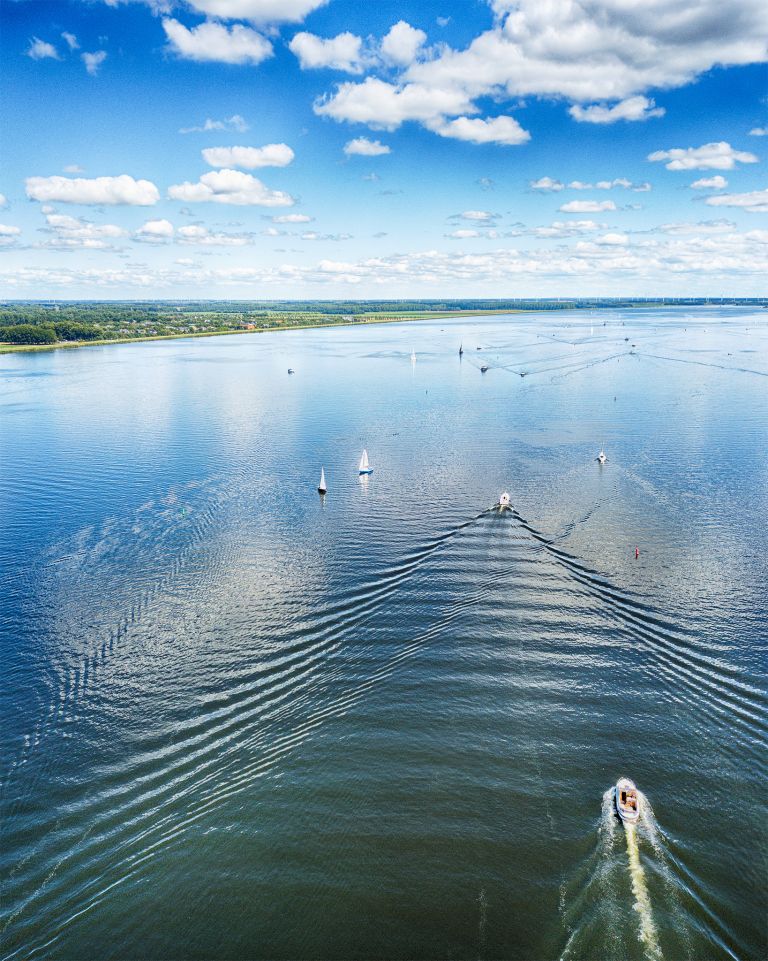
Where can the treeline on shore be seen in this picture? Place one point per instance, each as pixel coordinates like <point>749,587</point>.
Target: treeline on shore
<point>50,333</point>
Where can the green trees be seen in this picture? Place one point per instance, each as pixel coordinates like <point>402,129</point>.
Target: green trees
<point>28,334</point>
<point>70,330</point>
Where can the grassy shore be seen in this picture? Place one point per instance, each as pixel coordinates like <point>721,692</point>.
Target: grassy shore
<point>388,318</point>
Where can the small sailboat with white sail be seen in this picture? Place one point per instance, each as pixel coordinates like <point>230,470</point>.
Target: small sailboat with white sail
<point>322,487</point>
<point>413,356</point>
<point>365,465</point>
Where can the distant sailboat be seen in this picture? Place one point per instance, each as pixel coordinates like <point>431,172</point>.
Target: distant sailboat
<point>413,356</point>
<point>322,486</point>
<point>461,349</point>
<point>365,467</point>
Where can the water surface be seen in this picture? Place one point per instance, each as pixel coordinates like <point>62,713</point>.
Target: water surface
<point>242,721</point>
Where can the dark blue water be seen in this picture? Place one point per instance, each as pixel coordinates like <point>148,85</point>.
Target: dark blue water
<point>240,721</point>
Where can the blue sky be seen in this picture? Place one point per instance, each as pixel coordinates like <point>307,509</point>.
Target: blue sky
<point>302,148</point>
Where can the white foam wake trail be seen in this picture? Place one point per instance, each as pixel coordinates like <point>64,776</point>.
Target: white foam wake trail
<point>648,933</point>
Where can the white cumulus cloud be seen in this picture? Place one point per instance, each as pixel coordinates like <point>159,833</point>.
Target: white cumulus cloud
<point>93,61</point>
<point>213,42</point>
<point>710,156</point>
<point>271,155</point>
<point>546,184</point>
<point>385,105</point>
<point>41,50</point>
<point>292,219</point>
<point>633,108</point>
<point>600,50</point>
<point>235,122</point>
<point>9,234</point>
<point>710,183</point>
<point>587,206</point>
<point>258,11</point>
<point>755,202</point>
<point>155,231</point>
<point>758,132</point>
<point>402,43</point>
<point>73,232</point>
<point>499,130</point>
<point>363,147</point>
<point>229,187</point>
<point>98,190</point>
<point>480,216</point>
<point>71,40</point>
<point>343,52</point>
<point>202,237</point>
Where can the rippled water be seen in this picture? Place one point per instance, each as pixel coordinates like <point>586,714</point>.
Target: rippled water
<point>240,721</point>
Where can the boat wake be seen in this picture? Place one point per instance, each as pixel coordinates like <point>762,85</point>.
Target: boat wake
<point>606,906</point>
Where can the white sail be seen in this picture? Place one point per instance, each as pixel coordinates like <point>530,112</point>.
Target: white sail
<point>321,486</point>
<point>364,462</point>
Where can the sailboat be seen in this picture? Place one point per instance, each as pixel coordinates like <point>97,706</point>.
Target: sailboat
<point>461,349</point>
<point>413,356</point>
<point>322,487</point>
<point>365,467</point>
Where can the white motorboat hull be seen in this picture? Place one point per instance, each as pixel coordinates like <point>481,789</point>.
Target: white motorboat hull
<point>626,812</point>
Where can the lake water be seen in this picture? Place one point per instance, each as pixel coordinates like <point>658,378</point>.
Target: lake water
<point>242,722</point>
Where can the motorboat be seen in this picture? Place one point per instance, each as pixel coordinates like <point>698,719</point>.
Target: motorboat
<point>626,800</point>
<point>483,369</point>
<point>601,458</point>
<point>291,370</point>
<point>322,487</point>
<point>504,500</point>
<point>365,466</point>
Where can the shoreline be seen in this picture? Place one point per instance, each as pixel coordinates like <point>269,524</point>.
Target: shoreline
<point>6,348</point>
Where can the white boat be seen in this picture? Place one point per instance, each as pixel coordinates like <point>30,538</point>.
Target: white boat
<point>504,499</point>
<point>601,458</point>
<point>626,799</point>
<point>365,467</point>
<point>322,486</point>
<point>413,356</point>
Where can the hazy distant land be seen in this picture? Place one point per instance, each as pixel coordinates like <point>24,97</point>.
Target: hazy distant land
<point>44,325</point>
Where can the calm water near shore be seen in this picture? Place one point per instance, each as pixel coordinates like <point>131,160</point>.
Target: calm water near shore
<point>242,722</point>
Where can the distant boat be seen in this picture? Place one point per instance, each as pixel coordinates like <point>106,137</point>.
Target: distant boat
<point>626,799</point>
<point>504,500</point>
<point>461,349</point>
<point>322,486</point>
<point>291,370</point>
<point>483,369</point>
<point>413,356</point>
<point>365,467</point>
<point>601,458</point>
